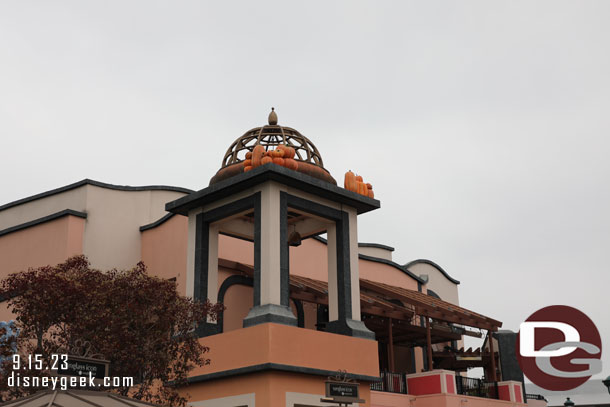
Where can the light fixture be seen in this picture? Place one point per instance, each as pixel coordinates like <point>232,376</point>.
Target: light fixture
<point>294,239</point>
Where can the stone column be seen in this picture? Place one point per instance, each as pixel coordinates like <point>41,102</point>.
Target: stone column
<point>206,269</point>
<point>271,274</point>
<point>348,285</point>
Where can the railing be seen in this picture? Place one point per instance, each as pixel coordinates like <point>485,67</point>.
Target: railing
<point>469,386</point>
<point>535,397</point>
<point>391,383</point>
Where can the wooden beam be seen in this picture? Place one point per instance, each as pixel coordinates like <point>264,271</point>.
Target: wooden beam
<point>390,346</point>
<point>429,345</point>
<point>493,356</point>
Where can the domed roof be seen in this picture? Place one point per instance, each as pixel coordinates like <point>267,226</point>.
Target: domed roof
<point>270,136</point>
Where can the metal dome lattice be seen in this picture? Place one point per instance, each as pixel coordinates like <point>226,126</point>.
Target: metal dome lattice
<point>270,136</point>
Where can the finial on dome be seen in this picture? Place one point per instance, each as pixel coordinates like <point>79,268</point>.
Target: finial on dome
<point>272,117</point>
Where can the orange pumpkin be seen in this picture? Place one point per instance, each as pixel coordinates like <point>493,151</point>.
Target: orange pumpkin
<point>361,187</point>
<point>369,186</point>
<point>257,155</point>
<point>248,155</point>
<point>278,153</point>
<point>278,161</point>
<point>350,182</point>
<point>291,164</point>
<point>247,163</point>
<point>248,168</point>
<point>266,160</point>
<point>288,151</point>
<point>358,178</point>
<point>371,193</point>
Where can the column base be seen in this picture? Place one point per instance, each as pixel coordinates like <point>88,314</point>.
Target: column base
<point>350,327</point>
<point>277,314</point>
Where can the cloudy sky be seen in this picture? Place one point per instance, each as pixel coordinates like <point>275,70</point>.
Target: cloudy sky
<point>483,126</point>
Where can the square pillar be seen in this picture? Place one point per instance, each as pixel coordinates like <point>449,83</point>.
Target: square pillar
<point>433,382</point>
<point>510,390</point>
<point>205,285</point>
<point>346,278</point>
<point>271,270</point>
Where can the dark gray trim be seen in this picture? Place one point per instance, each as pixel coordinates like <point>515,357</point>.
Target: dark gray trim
<point>284,252</point>
<point>344,281</point>
<point>376,246</point>
<point>277,314</point>
<point>156,223</point>
<point>202,249</point>
<point>230,209</point>
<point>44,219</point>
<point>380,260</point>
<point>276,367</point>
<point>276,173</point>
<point>228,283</point>
<point>433,294</point>
<point>202,253</point>
<point>393,264</point>
<point>257,250</point>
<point>344,325</point>
<point>97,184</point>
<point>298,304</point>
<point>314,208</point>
<point>433,264</point>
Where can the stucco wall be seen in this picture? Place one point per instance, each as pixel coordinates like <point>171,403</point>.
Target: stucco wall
<point>447,290</point>
<point>112,236</point>
<point>47,243</point>
<point>164,250</point>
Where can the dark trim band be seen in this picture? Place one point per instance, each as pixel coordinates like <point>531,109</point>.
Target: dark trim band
<point>156,223</point>
<point>228,283</point>
<point>44,219</point>
<point>376,246</point>
<point>277,367</point>
<point>433,264</point>
<point>276,173</point>
<point>97,184</point>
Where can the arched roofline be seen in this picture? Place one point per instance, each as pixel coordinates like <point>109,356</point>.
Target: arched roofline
<point>380,260</point>
<point>97,184</point>
<point>433,264</point>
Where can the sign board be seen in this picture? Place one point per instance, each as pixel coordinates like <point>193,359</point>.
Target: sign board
<point>342,392</point>
<point>78,366</point>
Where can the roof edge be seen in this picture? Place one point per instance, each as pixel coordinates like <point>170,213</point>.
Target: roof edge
<point>156,223</point>
<point>88,181</point>
<point>433,264</point>
<point>377,246</point>
<point>44,219</point>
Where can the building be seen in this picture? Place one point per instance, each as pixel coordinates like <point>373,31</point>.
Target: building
<point>299,307</point>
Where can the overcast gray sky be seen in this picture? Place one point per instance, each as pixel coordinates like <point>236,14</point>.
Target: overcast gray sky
<point>483,126</point>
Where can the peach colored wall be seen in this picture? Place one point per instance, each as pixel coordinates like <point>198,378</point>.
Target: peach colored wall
<point>48,243</point>
<point>164,250</point>
<point>380,399</point>
<point>457,400</point>
<point>270,388</point>
<point>383,399</point>
<point>238,301</point>
<point>234,249</point>
<point>273,343</point>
